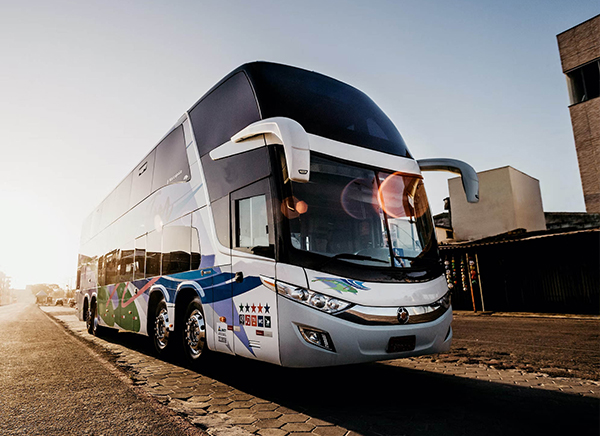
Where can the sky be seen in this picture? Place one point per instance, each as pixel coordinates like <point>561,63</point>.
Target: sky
<point>87,88</point>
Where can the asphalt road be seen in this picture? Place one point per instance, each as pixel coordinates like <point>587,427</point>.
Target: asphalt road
<point>52,385</point>
<point>559,347</point>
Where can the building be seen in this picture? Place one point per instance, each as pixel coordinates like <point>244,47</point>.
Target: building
<point>579,49</point>
<point>509,200</point>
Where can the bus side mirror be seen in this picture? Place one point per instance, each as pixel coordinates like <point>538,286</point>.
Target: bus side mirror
<point>290,133</point>
<point>468,175</point>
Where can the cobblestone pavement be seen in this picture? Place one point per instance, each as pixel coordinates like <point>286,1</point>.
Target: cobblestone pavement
<point>236,396</point>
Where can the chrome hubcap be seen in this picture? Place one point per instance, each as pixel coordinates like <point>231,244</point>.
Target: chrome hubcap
<point>195,333</point>
<point>161,332</point>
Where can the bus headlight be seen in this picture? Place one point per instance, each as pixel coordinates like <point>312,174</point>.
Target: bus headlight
<point>313,299</point>
<point>445,301</point>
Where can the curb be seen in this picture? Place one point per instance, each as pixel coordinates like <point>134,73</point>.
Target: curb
<point>468,313</point>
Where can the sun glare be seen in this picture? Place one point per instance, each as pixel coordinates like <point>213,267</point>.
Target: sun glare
<point>38,244</point>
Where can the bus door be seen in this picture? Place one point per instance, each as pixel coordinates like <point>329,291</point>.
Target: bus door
<point>254,306</point>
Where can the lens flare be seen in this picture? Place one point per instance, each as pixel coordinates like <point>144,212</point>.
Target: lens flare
<point>292,208</point>
<point>358,198</point>
<point>402,196</point>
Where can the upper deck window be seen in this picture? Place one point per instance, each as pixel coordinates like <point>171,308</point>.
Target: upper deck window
<point>325,107</point>
<point>223,112</point>
<point>171,162</point>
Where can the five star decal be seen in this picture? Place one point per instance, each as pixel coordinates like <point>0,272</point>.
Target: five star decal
<point>254,308</point>
<point>246,319</point>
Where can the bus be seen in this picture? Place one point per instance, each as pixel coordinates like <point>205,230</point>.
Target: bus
<point>281,219</point>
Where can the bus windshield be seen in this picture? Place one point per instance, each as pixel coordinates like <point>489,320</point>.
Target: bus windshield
<point>361,216</point>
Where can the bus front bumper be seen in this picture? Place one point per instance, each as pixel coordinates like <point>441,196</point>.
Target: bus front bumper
<point>310,338</point>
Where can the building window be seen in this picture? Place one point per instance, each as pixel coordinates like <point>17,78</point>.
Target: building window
<point>584,82</point>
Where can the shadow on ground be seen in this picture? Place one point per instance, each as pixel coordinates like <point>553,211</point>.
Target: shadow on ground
<point>379,399</point>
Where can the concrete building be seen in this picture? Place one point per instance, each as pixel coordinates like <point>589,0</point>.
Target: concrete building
<point>579,49</point>
<point>509,200</point>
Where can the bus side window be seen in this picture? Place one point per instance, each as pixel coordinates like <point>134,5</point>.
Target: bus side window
<point>252,225</point>
<point>153,254</point>
<point>171,162</point>
<point>176,245</point>
<point>117,203</point>
<point>101,272</point>
<point>126,263</point>
<point>224,112</point>
<point>110,263</point>
<point>141,185</point>
<point>252,219</point>
<point>196,256</point>
<point>140,258</point>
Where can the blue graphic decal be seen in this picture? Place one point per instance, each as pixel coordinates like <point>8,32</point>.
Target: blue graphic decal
<point>219,290</point>
<point>343,285</point>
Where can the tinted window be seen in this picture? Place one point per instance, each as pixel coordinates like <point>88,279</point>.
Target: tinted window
<point>324,107</point>
<point>223,112</point>
<point>96,224</point>
<point>141,185</point>
<point>117,203</point>
<point>176,246</point>
<point>153,254</point>
<point>171,162</point>
<point>110,265</point>
<point>101,272</point>
<point>195,249</point>
<point>125,266</point>
<point>220,211</point>
<point>140,258</point>
<point>226,175</point>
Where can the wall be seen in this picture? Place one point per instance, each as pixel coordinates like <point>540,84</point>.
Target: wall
<point>578,46</point>
<point>585,118</point>
<point>551,274</point>
<point>508,200</point>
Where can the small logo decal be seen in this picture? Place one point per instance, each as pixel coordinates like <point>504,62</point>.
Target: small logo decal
<point>403,315</point>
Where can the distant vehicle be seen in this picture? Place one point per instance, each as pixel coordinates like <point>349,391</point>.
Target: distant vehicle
<point>71,302</point>
<point>59,302</point>
<point>281,219</point>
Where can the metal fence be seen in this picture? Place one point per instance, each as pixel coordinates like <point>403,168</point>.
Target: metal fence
<point>558,273</point>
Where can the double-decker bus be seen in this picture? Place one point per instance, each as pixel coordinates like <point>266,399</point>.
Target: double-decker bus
<point>281,219</point>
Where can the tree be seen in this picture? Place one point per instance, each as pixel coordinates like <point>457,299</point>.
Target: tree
<point>4,288</point>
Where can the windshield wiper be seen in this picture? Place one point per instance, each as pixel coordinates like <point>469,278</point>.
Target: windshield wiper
<point>352,256</point>
<point>418,259</point>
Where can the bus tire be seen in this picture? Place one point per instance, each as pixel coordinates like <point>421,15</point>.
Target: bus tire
<point>161,334</point>
<point>193,333</point>
<point>92,319</point>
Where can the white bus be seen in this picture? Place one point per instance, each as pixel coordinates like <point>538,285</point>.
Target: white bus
<point>281,219</point>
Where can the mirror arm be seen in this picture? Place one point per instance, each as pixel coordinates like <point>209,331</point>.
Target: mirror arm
<point>290,133</point>
<point>294,139</point>
<point>468,175</point>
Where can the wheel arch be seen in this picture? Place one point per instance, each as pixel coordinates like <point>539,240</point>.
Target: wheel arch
<point>186,292</point>
<point>156,295</point>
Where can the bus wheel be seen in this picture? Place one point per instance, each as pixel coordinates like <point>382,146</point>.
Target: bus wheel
<point>161,328</point>
<point>194,332</point>
<point>91,319</point>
